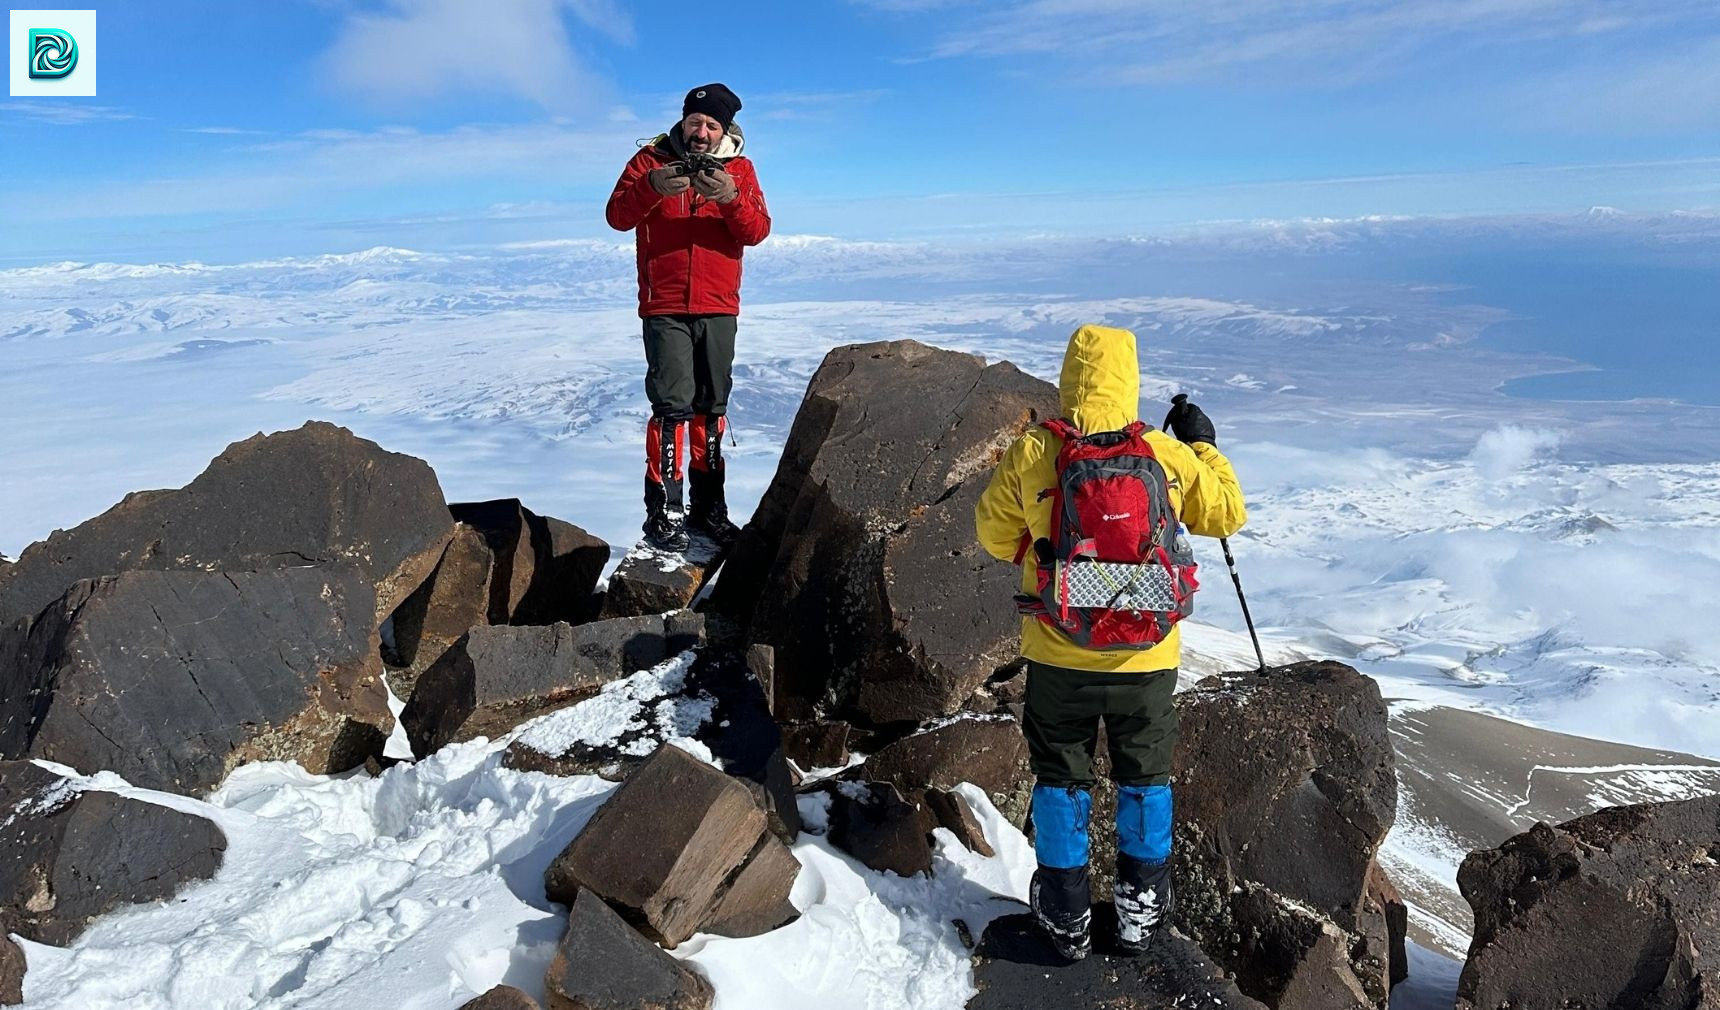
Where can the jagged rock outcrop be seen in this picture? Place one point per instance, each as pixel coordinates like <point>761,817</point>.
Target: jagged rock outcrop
<point>502,997</point>
<point>496,677</point>
<point>876,824</point>
<point>717,702</point>
<point>817,744</point>
<point>860,565</point>
<point>317,495</point>
<point>1016,969</point>
<point>652,582</point>
<point>1619,908</point>
<point>452,601</point>
<point>172,679</point>
<point>504,565</point>
<point>604,964</point>
<point>680,847</point>
<point>11,968</point>
<point>545,570</point>
<point>1271,768</point>
<point>989,752</point>
<point>887,828</point>
<point>67,856</point>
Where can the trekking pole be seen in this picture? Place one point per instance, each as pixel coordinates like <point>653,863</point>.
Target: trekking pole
<point>1231,561</point>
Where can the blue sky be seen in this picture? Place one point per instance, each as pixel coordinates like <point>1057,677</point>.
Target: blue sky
<point>226,131</point>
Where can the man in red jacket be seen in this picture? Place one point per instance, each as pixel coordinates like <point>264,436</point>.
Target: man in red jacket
<point>696,204</point>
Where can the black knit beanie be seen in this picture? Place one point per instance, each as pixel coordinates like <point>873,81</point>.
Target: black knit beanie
<point>714,100</point>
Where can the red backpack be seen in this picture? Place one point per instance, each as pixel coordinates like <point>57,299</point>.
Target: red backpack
<point>1117,572</point>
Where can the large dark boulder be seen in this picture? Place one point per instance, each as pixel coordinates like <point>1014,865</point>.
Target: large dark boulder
<point>496,677</point>
<point>502,997</point>
<point>68,856</point>
<point>876,824</point>
<point>989,752</point>
<point>11,969</point>
<point>860,565</point>
<point>317,495</point>
<point>668,848</point>
<point>604,964</point>
<point>1016,969</point>
<point>1270,768</point>
<point>172,679</point>
<point>546,570</point>
<point>654,582</point>
<point>452,601</point>
<point>1618,908</point>
<point>717,702</point>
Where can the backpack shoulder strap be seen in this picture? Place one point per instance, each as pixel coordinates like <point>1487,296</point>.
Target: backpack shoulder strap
<point>1062,429</point>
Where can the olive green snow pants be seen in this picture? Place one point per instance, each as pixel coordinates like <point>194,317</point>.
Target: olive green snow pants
<point>1066,707</point>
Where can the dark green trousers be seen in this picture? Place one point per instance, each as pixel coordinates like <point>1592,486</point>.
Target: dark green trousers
<point>687,364</point>
<point>1065,709</point>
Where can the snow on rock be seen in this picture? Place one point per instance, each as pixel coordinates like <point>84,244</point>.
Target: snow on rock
<point>416,889</point>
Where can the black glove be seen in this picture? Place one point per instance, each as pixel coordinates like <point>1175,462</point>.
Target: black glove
<point>1188,422</point>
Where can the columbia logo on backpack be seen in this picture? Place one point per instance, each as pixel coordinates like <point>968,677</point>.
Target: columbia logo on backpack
<point>1117,572</point>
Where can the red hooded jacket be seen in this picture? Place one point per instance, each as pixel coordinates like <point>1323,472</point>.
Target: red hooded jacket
<point>689,248</point>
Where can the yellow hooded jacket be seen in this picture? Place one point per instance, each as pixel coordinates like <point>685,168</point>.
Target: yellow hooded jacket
<point>1100,390</point>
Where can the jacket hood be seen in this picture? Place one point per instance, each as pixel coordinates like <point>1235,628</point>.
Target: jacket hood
<point>671,145</point>
<point>1100,389</point>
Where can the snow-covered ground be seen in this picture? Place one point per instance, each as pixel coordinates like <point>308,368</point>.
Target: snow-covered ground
<point>1551,562</point>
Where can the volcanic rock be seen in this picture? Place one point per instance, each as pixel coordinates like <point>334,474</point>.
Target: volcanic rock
<point>652,582</point>
<point>546,570</point>
<point>317,495</point>
<point>1270,768</point>
<point>1016,969</point>
<point>989,752</point>
<point>11,967</point>
<point>452,601</point>
<point>502,997</point>
<point>668,847</point>
<point>1618,908</point>
<point>604,964</point>
<point>68,856</point>
<point>860,565</point>
<point>496,677</point>
<point>172,679</point>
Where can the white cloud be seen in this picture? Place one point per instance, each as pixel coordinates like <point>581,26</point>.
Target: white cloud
<point>322,165</point>
<point>426,48</point>
<point>62,112</point>
<point>1317,41</point>
<point>1508,449</point>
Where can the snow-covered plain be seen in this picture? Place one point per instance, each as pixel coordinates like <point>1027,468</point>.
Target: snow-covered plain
<point>1551,562</point>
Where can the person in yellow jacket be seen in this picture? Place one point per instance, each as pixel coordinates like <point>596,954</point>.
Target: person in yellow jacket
<point>1071,689</point>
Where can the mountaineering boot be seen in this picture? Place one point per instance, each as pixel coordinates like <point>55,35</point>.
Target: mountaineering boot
<point>1143,891</point>
<point>1061,903</point>
<point>708,515</point>
<point>664,527</point>
<point>1060,895</point>
<point>1144,902</point>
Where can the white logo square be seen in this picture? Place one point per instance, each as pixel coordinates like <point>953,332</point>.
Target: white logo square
<point>52,53</point>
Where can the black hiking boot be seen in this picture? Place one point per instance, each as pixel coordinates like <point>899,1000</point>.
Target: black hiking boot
<point>1061,905</point>
<point>664,528</point>
<point>708,515</point>
<point>1144,902</point>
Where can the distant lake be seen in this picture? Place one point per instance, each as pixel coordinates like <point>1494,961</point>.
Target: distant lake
<point>1650,329</point>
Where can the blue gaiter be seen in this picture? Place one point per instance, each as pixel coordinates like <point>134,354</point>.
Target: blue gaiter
<point>1060,826</point>
<point>1144,822</point>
